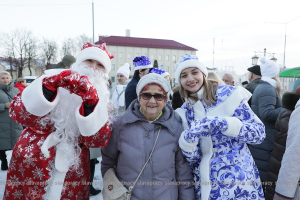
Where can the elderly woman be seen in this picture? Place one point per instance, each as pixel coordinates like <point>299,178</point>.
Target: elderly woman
<point>149,124</point>
<point>10,130</point>
<point>118,92</point>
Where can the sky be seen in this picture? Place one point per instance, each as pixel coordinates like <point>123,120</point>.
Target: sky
<point>237,27</point>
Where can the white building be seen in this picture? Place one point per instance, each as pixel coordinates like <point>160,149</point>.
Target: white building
<point>125,49</point>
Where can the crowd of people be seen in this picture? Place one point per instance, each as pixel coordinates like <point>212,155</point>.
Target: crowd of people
<point>205,138</point>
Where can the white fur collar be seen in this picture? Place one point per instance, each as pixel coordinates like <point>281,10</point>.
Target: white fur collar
<point>269,80</point>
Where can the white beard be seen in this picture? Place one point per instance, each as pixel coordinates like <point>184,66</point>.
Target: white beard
<point>63,115</point>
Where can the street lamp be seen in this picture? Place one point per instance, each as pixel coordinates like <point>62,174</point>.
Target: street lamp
<point>284,36</point>
<point>254,60</point>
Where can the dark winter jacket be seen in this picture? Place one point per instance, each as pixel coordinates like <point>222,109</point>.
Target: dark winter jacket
<point>266,104</point>
<point>251,87</point>
<point>130,145</point>
<point>130,93</point>
<point>9,129</point>
<point>289,101</point>
<point>177,100</point>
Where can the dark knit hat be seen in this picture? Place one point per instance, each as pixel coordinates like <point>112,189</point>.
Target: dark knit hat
<point>66,61</point>
<point>244,82</point>
<point>255,70</point>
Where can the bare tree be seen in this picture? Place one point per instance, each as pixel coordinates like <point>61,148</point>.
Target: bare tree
<point>49,51</point>
<point>15,42</point>
<point>31,51</point>
<point>82,39</point>
<point>69,47</point>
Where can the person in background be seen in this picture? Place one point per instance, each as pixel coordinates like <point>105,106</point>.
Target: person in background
<point>287,185</point>
<point>149,119</point>
<point>10,130</point>
<point>213,76</point>
<point>228,79</point>
<point>266,104</point>
<point>20,84</point>
<point>296,84</point>
<point>109,85</point>
<point>254,79</point>
<point>65,63</point>
<point>142,65</point>
<point>118,91</point>
<point>244,83</point>
<point>289,101</point>
<point>218,123</point>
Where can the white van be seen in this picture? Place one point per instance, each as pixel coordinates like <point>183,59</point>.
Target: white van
<point>29,79</point>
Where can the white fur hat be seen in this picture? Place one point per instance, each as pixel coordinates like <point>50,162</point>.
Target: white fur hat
<point>95,52</point>
<point>186,62</point>
<point>124,70</point>
<point>268,68</point>
<point>153,78</point>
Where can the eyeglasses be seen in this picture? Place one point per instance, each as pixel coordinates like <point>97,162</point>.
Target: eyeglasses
<point>157,97</point>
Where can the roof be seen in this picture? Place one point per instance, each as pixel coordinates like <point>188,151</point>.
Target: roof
<point>291,73</point>
<point>143,42</point>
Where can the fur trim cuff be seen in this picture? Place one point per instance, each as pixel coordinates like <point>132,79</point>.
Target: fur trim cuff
<point>185,146</point>
<point>234,126</point>
<point>92,123</point>
<point>181,114</point>
<point>34,100</point>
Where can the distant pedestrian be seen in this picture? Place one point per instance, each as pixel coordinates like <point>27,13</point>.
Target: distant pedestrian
<point>20,84</point>
<point>254,79</point>
<point>65,63</point>
<point>266,104</point>
<point>118,91</point>
<point>228,79</point>
<point>142,65</point>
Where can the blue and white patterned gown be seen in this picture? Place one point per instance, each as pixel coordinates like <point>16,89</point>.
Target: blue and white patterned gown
<point>231,168</point>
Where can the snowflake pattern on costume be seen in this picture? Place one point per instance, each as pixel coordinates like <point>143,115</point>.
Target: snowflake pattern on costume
<point>233,173</point>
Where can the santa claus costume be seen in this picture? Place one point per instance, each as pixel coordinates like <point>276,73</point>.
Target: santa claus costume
<point>66,112</point>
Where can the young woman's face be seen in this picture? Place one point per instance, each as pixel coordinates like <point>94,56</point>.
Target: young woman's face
<point>5,79</point>
<point>94,64</point>
<point>121,78</point>
<point>191,79</point>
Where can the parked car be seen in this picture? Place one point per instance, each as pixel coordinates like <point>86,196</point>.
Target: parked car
<point>29,79</point>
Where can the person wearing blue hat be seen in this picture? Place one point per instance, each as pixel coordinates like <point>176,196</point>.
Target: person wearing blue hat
<point>142,65</point>
<point>218,124</point>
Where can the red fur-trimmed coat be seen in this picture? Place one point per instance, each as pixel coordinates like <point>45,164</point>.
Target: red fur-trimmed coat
<point>29,169</point>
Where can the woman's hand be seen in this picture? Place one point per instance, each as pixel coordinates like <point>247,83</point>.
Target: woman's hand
<point>277,197</point>
<point>7,105</point>
<point>213,124</point>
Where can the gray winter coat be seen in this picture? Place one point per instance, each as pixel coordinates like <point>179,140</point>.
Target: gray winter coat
<point>9,129</point>
<point>266,104</point>
<point>129,147</point>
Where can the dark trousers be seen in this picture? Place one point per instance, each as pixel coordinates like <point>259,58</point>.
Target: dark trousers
<point>3,159</point>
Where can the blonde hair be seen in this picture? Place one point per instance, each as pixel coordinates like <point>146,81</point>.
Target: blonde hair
<point>278,86</point>
<point>213,76</point>
<point>209,93</point>
<point>5,72</point>
<point>21,79</point>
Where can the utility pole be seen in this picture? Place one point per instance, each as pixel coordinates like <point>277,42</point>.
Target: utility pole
<point>93,23</point>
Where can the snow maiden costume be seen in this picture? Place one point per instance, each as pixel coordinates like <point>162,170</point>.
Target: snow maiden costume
<point>214,141</point>
<point>64,115</point>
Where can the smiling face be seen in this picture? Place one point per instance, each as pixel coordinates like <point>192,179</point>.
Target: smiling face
<point>121,78</point>
<point>152,108</point>
<point>5,79</point>
<point>191,79</point>
<point>95,65</point>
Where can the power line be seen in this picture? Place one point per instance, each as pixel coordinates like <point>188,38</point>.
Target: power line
<point>44,4</point>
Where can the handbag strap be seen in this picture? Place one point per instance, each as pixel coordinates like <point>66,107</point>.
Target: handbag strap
<point>7,94</point>
<point>131,187</point>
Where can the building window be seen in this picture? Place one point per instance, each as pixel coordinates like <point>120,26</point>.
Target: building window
<point>159,57</point>
<point>174,58</point>
<point>129,55</point>
<point>120,54</point>
<point>167,57</point>
<point>152,56</point>
<point>113,53</point>
<point>113,67</point>
<point>112,79</point>
<point>137,54</point>
<point>167,68</point>
<point>145,54</point>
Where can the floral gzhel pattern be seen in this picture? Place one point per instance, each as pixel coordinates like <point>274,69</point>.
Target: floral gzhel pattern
<point>233,173</point>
